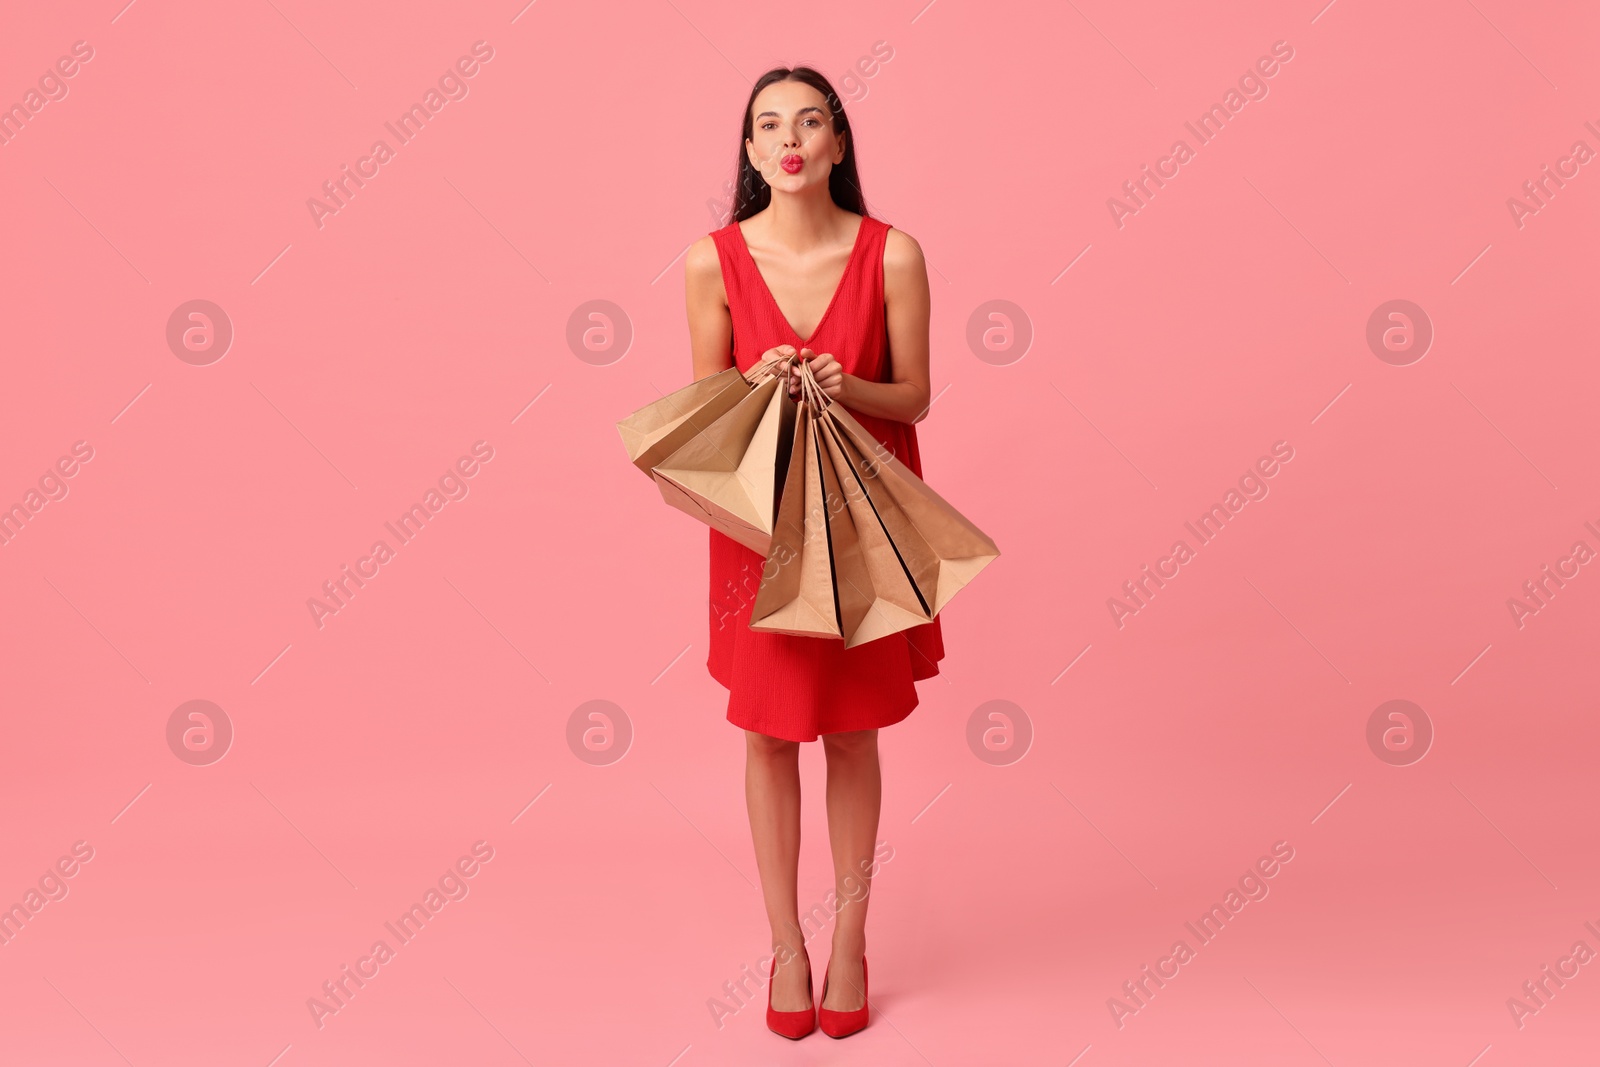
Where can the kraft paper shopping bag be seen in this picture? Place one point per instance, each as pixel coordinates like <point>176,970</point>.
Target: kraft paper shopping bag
<point>729,475</point>
<point>894,602</point>
<point>660,428</point>
<point>796,595</point>
<point>959,550</point>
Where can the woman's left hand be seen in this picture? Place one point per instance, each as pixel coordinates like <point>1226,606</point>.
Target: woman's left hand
<point>828,372</point>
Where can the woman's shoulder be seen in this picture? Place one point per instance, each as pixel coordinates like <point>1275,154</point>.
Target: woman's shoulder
<point>703,251</point>
<point>901,252</point>
<point>702,263</point>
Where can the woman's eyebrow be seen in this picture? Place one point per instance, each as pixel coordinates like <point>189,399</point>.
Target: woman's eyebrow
<point>802,111</point>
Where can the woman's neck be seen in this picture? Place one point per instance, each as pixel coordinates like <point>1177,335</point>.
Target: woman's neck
<point>802,222</point>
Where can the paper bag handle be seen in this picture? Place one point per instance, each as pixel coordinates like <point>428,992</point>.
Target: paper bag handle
<point>763,369</point>
<point>809,389</point>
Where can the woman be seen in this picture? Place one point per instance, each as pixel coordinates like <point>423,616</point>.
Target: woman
<point>803,270</point>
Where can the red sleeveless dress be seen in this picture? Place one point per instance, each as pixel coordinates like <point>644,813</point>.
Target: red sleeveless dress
<point>784,685</point>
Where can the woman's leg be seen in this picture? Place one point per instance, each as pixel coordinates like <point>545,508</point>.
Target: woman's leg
<point>855,796</point>
<point>772,794</point>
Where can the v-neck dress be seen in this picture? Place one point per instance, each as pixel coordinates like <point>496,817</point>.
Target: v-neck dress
<point>785,685</point>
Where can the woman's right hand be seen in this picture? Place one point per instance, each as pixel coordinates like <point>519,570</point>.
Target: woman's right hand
<point>784,352</point>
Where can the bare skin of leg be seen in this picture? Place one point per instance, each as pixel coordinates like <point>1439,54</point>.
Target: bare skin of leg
<point>772,795</point>
<point>855,798</point>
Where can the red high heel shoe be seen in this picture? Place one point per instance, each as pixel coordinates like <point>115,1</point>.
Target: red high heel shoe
<point>791,1024</point>
<point>843,1023</point>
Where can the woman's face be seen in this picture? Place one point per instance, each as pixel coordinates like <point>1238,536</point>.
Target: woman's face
<point>792,142</point>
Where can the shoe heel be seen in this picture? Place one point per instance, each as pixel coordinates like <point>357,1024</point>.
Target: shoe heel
<point>791,1024</point>
<point>844,1023</point>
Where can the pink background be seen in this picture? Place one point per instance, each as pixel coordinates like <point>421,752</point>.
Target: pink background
<point>430,312</point>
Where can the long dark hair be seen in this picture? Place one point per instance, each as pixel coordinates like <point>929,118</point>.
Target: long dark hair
<point>751,191</point>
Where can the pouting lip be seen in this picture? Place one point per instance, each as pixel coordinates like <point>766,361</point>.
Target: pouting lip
<point>791,156</point>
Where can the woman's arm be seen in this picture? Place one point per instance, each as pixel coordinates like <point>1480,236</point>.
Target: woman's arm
<point>710,325</point>
<point>904,398</point>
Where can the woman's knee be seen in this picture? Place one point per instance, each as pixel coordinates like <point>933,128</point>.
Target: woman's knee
<point>768,747</point>
<point>850,743</point>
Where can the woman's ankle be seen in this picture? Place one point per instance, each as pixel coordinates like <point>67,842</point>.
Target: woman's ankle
<point>849,944</point>
<point>790,955</point>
